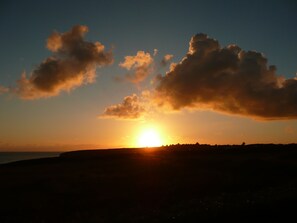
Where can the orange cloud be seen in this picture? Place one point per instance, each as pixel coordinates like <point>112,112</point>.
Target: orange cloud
<point>140,65</point>
<point>166,59</point>
<point>73,63</point>
<point>227,79</point>
<point>130,108</point>
<point>3,89</point>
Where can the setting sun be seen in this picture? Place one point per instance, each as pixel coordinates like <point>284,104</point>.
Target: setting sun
<point>149,138</point>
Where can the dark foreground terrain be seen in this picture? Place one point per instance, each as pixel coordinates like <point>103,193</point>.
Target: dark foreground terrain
<point>184,183</point>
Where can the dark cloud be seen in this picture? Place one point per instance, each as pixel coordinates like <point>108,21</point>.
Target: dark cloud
<point>229,80</point>
<point>130,108</point>
<point>166,59</point>
<point>72,64</point>
<point>140,66</point>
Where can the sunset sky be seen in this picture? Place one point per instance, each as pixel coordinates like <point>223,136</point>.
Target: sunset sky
<point>99,74</point>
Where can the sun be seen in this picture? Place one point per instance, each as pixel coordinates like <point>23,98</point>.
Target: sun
<point>149,138</point>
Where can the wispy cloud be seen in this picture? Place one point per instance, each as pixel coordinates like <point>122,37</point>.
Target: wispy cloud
<point>3,89</point>
<point>166,59</point>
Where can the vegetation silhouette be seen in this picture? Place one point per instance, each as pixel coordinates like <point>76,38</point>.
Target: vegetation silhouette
<point>173,183</point>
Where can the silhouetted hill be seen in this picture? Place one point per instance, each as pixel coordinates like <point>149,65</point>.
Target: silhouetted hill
<point>177,183</point>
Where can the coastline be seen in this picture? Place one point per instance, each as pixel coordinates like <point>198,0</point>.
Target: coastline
<point>179,183</point>
<point>8,157</point>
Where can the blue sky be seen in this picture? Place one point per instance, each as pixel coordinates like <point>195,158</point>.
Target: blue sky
<point>267,27</point>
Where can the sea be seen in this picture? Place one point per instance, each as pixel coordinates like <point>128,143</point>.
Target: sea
<point>8,157</point>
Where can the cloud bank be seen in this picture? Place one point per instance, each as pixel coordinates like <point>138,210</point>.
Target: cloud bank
<point>130,108</point>
<point>227,79</point>
<point>73,63</point>
<point>140,66</point>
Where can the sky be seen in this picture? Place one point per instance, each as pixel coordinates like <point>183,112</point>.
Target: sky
<point>98,74</point>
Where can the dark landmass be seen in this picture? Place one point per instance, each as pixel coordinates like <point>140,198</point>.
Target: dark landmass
<point>179,183</point>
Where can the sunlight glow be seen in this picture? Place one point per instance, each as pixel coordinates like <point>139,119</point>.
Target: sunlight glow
<point>149,138</point>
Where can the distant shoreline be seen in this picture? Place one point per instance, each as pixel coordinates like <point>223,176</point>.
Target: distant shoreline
<point>15,156</point>
<point>8,157</point>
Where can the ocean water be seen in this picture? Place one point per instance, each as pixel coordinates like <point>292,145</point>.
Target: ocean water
<point>7,157</point>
